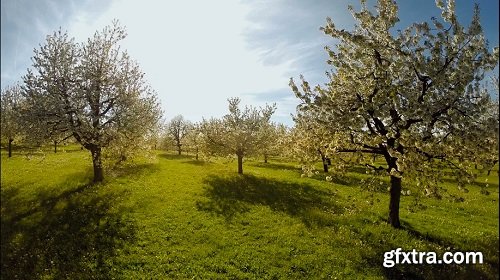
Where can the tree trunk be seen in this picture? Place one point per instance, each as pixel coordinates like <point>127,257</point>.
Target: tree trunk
<point>10,146</point>
<point>196,153</point>
<point>394,202</point>
<point>265,158</point>
<point>55,146</point>
<point>240,164</point>
<point>97,162</point>
<point>491,167</point>
<point>323,159</point>
<point>179,149</point>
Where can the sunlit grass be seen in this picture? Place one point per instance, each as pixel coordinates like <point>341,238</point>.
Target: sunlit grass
<point>175,217</point>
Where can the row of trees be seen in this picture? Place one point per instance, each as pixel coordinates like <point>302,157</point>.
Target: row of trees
<point>241,133</point>
<point>35,118</point>
<point>95,94</point>
<point>415,98</point>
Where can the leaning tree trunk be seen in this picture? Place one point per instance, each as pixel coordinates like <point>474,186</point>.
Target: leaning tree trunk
<point>240,163</point>
<point>97,163</point>
<point>10,146</point>
<point>395,193</point>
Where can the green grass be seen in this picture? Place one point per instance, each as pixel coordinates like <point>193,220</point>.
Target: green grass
<point>177,218</point>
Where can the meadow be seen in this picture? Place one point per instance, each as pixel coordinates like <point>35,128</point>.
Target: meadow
<point>174,217</point>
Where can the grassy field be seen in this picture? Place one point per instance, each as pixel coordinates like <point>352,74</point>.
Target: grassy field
<point>178,218</point>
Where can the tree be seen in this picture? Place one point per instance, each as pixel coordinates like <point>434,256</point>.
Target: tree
<point>273,136</point>
<point>91,90</point>
<point>194,139</point>
<point>491,141</point>
<point>411,96</point>
<point>237,133</point>
<point>137,141</point>
<point>307,142</point>
<point>10,106</point>
<point>177,129</point>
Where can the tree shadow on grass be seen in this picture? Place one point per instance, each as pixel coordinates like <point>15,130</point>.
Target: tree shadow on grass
<point>133,170</point>
<point>175,156</point>
<point>197,162</point>
<point>491,185</point>
<point>189,159</point>
<point>229,196</point>
<point>275,166</point>
<point>73,235</point>
<point>371,183</point>
<point>488,270</point>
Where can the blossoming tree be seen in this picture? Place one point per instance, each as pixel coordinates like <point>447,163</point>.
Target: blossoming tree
<point>413,97</point>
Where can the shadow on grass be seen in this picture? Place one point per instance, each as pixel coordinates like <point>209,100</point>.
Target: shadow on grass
<point>133,170</point>
<point>228,196</point>
<point>72,235</point>
<point>175,156</point>
<point>197,162</point>
<point>473,184</point>
<point>189,159</point>
<point>488,270</point>
<point>370,183</point>
<point>275,166</point>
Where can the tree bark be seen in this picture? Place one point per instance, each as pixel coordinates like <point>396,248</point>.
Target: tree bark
<point>394,202</point>
<point>196,153</point>
<point>179,151</point>
<point>10,146</point>
<point>97,163</point>
<point>323,159</point>
<point>265,158</point>
<point>240,163</point>
<point>55,146</point>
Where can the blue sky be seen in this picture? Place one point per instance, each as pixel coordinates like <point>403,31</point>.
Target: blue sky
<point>198,53</point>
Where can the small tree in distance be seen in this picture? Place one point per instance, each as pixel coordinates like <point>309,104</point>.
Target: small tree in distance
<point>194,140</point>
<point>178,128</point>
<point>237,133</point>
<point>273,136</point>
<point>413,98</point>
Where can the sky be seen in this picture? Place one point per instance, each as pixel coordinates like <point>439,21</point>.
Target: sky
<point>198,53</point>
